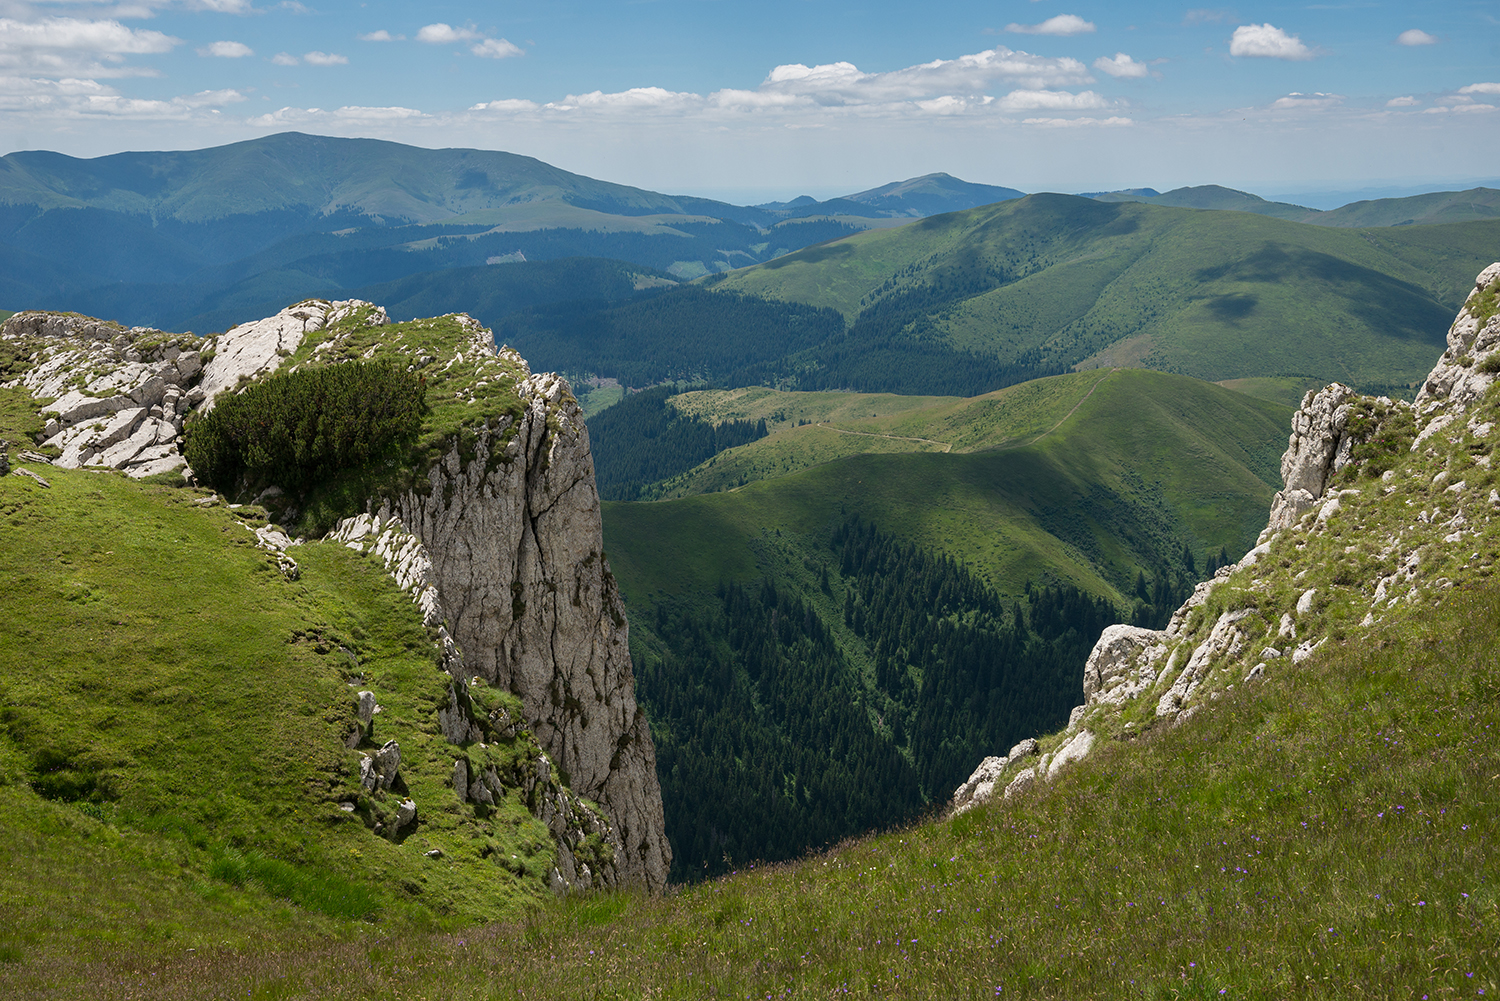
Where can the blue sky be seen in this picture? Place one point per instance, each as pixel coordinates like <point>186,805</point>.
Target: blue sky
<point>759,100</point>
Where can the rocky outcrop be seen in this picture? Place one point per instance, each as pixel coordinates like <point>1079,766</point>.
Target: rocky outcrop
<point>257,348</point>
<point>1317,449</point>
<point>114,397</point>
<point>1384,504</point>
<point>513,536</point>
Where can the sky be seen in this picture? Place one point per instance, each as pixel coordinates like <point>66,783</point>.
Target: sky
<point>754,100</point>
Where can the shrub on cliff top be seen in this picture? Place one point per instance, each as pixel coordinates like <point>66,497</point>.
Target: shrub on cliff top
<point>300,428</point>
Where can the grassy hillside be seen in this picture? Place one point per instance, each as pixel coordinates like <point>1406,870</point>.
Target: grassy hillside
<point>1133,465</point>
<point>1061,280</point>
<point>175,718</point>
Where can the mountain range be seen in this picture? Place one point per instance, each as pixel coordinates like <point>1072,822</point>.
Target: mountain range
<point>203,239</point>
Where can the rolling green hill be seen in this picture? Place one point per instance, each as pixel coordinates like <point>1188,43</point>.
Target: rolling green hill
<point>1105,473</point>
<point>1057,280</point>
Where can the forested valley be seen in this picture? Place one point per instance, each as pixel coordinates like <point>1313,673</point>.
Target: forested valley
<point>786,719</point>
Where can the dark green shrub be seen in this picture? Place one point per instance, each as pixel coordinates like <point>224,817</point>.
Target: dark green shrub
<point>298,429</point>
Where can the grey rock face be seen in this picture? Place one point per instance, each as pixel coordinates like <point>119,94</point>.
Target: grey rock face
<point>503,553</point>
<point>513,540</point>
<point>1459,376</point>
<point>1317,448</point>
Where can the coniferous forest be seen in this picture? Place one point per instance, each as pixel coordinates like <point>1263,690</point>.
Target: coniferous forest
<point>778,731</point>
<point>643,439</point>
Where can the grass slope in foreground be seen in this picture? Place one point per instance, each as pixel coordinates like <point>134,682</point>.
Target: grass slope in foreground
<point>1328,833</point>
<point>1052,280</point>
<point>1112,470</point>
<point>172,719</point>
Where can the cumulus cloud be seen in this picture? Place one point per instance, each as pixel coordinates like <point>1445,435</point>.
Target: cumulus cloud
<point>77,47</point>
<point>1295,100</point>
<point>285,59</point>
<point>348,113</point>
<point>1402,102</point>
<point>1062,24</point>
<point>496,48</point>
<point>1121,66</point>
<point>1267,41</point>
<point>649,98</point>
<point>1051,100</point>
<point>378,36</point>
<point>1415,36</point>
<point>1480,88</point>
<point>510,106</point>
<point>844,83</point>
<point>316,58</point>
<point>227,50</point>
<point>443,34</point>
<point>393,113</point>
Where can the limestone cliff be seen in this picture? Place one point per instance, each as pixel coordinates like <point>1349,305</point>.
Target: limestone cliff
<point>1384,504</point>
<point>504,513</point>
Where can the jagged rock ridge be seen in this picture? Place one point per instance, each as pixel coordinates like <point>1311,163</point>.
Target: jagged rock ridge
<point>1384,503</point>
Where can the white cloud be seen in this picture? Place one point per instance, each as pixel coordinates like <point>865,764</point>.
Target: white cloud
<point>1415,36</point>
<point>210,98</point>
<point>105,38</point>
<point>1062,24</point>
<point>1402,102</point>
<point>285,59</point>
<point>1480,88</point>
<point>227,50</point>
<point>752,100</point>
<point>377,36</point>
<point>442,34</point>
<point>378,114</point>
<point>1121,66</point>
<point>1267,41</point>
<point>496,48</point>
<point>316,58</point>
<point>647,98</point>
<point>1051,100</point>
<point>844,83</point>
<point>507,106</point>
<point>1294,101</point>
<point>77,47</point>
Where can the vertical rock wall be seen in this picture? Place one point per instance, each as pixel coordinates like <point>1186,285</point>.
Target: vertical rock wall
<point>514,534</point>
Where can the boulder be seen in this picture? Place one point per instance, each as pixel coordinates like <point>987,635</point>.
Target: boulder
<point>1074,750</point>
<point>980,787</point>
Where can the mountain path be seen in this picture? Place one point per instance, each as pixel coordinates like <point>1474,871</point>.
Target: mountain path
<point>945,446</point>
<point>1070,413</point>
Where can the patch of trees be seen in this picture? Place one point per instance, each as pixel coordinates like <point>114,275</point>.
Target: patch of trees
<point>643,439</point>
<point>298,429</point>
